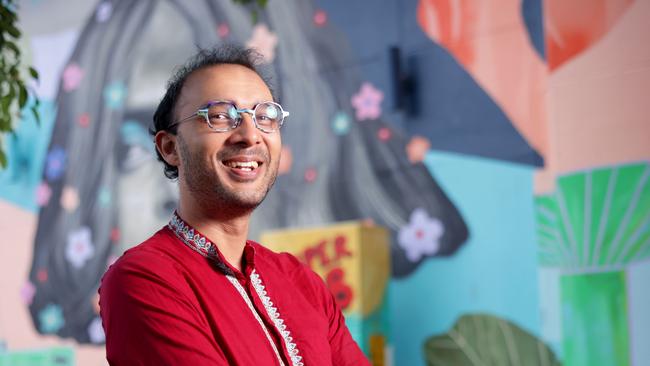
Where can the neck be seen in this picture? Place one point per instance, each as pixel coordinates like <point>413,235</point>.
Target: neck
<point>226,228</point>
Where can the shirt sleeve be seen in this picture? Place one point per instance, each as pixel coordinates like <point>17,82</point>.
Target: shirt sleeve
<point>150,319</point>
<point>345,350</point>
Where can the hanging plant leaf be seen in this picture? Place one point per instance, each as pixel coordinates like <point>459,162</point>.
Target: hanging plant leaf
<point>33,73</point>
<point>15,94</point>
<point>486,340</point>
<point>22,95</point>
<point>3,157</point>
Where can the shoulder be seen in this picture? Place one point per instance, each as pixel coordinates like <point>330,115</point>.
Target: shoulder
<point>154,250</point>
<point>293,270</point>
<point>285,263</point>
<point>156,259</point>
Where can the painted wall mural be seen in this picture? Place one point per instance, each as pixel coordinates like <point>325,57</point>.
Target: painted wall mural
<point>504,146</point>
<point>593,228</point>
<point>99,144</point>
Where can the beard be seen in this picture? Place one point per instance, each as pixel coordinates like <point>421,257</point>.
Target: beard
<point>203,181</point>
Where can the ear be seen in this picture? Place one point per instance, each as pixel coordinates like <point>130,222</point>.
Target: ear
<point>166,145</point>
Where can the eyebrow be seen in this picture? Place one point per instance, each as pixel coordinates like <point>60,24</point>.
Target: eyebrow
<point>234,103</point>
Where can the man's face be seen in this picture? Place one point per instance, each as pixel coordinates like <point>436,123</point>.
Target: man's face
<point>236,168</point>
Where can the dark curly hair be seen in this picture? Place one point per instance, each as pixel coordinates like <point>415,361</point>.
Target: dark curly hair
<point>163,118</point>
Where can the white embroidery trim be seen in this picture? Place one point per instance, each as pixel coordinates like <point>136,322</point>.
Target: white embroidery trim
<point>248,301</point>
<point>194,240</point>
<point>277,320</point>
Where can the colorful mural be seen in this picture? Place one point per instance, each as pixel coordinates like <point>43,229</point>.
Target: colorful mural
<point>504,145</point>
<point>592,229</point>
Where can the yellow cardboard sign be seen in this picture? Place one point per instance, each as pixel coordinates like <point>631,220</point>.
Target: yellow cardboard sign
<point>352,258</point>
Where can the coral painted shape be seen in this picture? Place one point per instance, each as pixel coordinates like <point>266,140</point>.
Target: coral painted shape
<point>84,120</point>
<point>310,175</point>
<point>504,64</point>
<point>223,30</point>
<point>417,148</point>
<point>384,134</point>
<point>69,199</point>
<point>320,18</point>
<point>571,27</point>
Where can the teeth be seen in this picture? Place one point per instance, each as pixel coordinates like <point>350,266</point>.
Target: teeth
<point>247,165</point>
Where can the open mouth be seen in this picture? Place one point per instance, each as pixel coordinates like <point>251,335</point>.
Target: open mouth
<point>245,166</point>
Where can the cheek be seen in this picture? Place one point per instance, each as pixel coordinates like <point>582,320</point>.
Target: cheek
<point>196,159</point>
<point>275,147</point>
<point>205,149</point>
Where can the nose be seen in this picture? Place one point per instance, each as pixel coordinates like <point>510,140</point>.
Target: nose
<point>246,133</point>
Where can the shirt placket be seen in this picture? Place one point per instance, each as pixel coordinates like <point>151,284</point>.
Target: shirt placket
<point>272,317</point>
<point>242,286</point>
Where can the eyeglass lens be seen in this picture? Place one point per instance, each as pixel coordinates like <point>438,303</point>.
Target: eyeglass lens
<point>223,116</point>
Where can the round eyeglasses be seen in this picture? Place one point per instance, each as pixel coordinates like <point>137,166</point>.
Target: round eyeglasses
<point>223,116</point>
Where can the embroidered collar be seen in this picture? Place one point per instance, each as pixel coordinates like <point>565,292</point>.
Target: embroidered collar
<point>197,242</point>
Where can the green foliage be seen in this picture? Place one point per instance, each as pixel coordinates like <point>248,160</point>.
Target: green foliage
<point>486,340</point>
<point>13,90</point>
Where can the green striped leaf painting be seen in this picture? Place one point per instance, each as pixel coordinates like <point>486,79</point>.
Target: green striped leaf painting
<point>595,219</point>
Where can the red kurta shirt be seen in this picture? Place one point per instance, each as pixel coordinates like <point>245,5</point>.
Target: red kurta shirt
<point>174,300</point>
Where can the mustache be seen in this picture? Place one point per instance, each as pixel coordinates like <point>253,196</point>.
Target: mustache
<point>253,152</point>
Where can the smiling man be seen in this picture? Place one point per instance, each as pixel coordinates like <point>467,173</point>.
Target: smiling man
<point>198,292</point>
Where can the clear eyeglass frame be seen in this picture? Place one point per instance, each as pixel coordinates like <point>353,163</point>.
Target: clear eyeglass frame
<point>224,116</point>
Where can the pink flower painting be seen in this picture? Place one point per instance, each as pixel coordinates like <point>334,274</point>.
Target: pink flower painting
<point>367,102</point>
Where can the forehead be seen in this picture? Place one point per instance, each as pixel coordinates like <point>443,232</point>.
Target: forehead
<point>224,82</point>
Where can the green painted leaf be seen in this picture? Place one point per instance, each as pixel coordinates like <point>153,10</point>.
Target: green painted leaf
<point>486,340</point>
<point>596,218</point>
